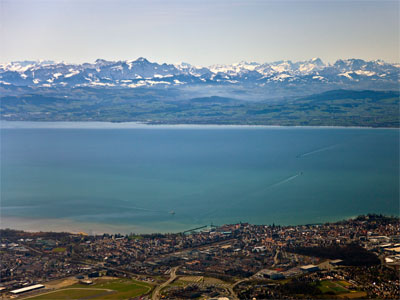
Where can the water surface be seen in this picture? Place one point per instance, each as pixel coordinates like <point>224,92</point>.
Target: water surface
<point>131,179</point>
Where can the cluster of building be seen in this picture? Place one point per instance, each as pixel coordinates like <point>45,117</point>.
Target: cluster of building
<point>229,252</point>
<point>28,259</point>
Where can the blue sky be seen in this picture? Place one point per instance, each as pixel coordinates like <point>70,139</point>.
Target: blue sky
<point>199,32</point>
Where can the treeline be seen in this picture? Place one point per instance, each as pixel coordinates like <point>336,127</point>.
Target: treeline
<point>352,255</point>
<point>16,234</point>
<point>296,287</point>
<point>381,219</point>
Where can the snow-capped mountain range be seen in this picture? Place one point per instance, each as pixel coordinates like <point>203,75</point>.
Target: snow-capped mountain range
<point>351,73</point>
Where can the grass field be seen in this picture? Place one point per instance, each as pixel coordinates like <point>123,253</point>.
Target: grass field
<point>354,295</point>
<point>69,294</point>
<point>101,289</point>
<point>330,286</point>
<point>58,250</point>
<point>344,283</point>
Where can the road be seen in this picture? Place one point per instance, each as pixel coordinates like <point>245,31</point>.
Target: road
<point>276,258</point>
<point>157,290</point>
<point>232,286</point>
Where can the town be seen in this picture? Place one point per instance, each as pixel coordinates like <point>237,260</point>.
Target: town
<point>356,258</point>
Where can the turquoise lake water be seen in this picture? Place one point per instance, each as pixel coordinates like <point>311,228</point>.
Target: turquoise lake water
<point>132,179</point>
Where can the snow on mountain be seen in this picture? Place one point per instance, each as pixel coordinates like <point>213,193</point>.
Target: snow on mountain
<point>142,73</point>
<point>189,69</point>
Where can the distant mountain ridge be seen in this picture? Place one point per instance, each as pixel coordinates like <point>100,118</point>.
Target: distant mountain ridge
<point>141,73</point>
<point>350,92</point>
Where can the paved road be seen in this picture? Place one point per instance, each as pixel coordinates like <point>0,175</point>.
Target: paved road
<point>276,258</point>
<point>156,293</point>
<point>232,286</point>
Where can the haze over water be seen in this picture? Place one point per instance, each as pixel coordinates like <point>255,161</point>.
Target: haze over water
<point>132,179</point>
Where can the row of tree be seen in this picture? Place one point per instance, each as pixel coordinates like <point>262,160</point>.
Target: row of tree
<point>352,255</point>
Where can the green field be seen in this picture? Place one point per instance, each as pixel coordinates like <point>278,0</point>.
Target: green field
<point>327,286</point>
<point>344,283</point>
<point>59,250</point>
<point>101,289</point>
<point>70,294</point>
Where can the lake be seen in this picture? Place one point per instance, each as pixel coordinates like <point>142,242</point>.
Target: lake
<point>117,178</point>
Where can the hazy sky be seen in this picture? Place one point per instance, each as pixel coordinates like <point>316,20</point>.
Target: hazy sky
<point>199,32</point>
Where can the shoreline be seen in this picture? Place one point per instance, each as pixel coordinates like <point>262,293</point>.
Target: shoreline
<point>76,227</point>
<point>140,125</point>
<point>91,228</point>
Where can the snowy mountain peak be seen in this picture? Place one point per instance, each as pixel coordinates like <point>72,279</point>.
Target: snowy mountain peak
<point>316,60</point>
<point>141,72</point>
<point>142,59</point>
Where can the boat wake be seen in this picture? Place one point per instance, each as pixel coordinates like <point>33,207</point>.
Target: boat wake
<point>149,210</point>
<point>245,198</point>
<point>316,151</point>
<point>285,180</point>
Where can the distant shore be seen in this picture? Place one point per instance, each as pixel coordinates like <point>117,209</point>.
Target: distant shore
<point>140,125</point>
<point>74,227</point>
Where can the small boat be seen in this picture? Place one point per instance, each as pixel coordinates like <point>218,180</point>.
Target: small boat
<point>172,212</point>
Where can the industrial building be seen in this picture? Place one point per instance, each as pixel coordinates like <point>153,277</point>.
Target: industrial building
<point>309,268</point>
<point>336,262</point>
<point>27,289</point>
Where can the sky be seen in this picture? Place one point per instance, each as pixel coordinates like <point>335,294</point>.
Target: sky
<point>199,32</point>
